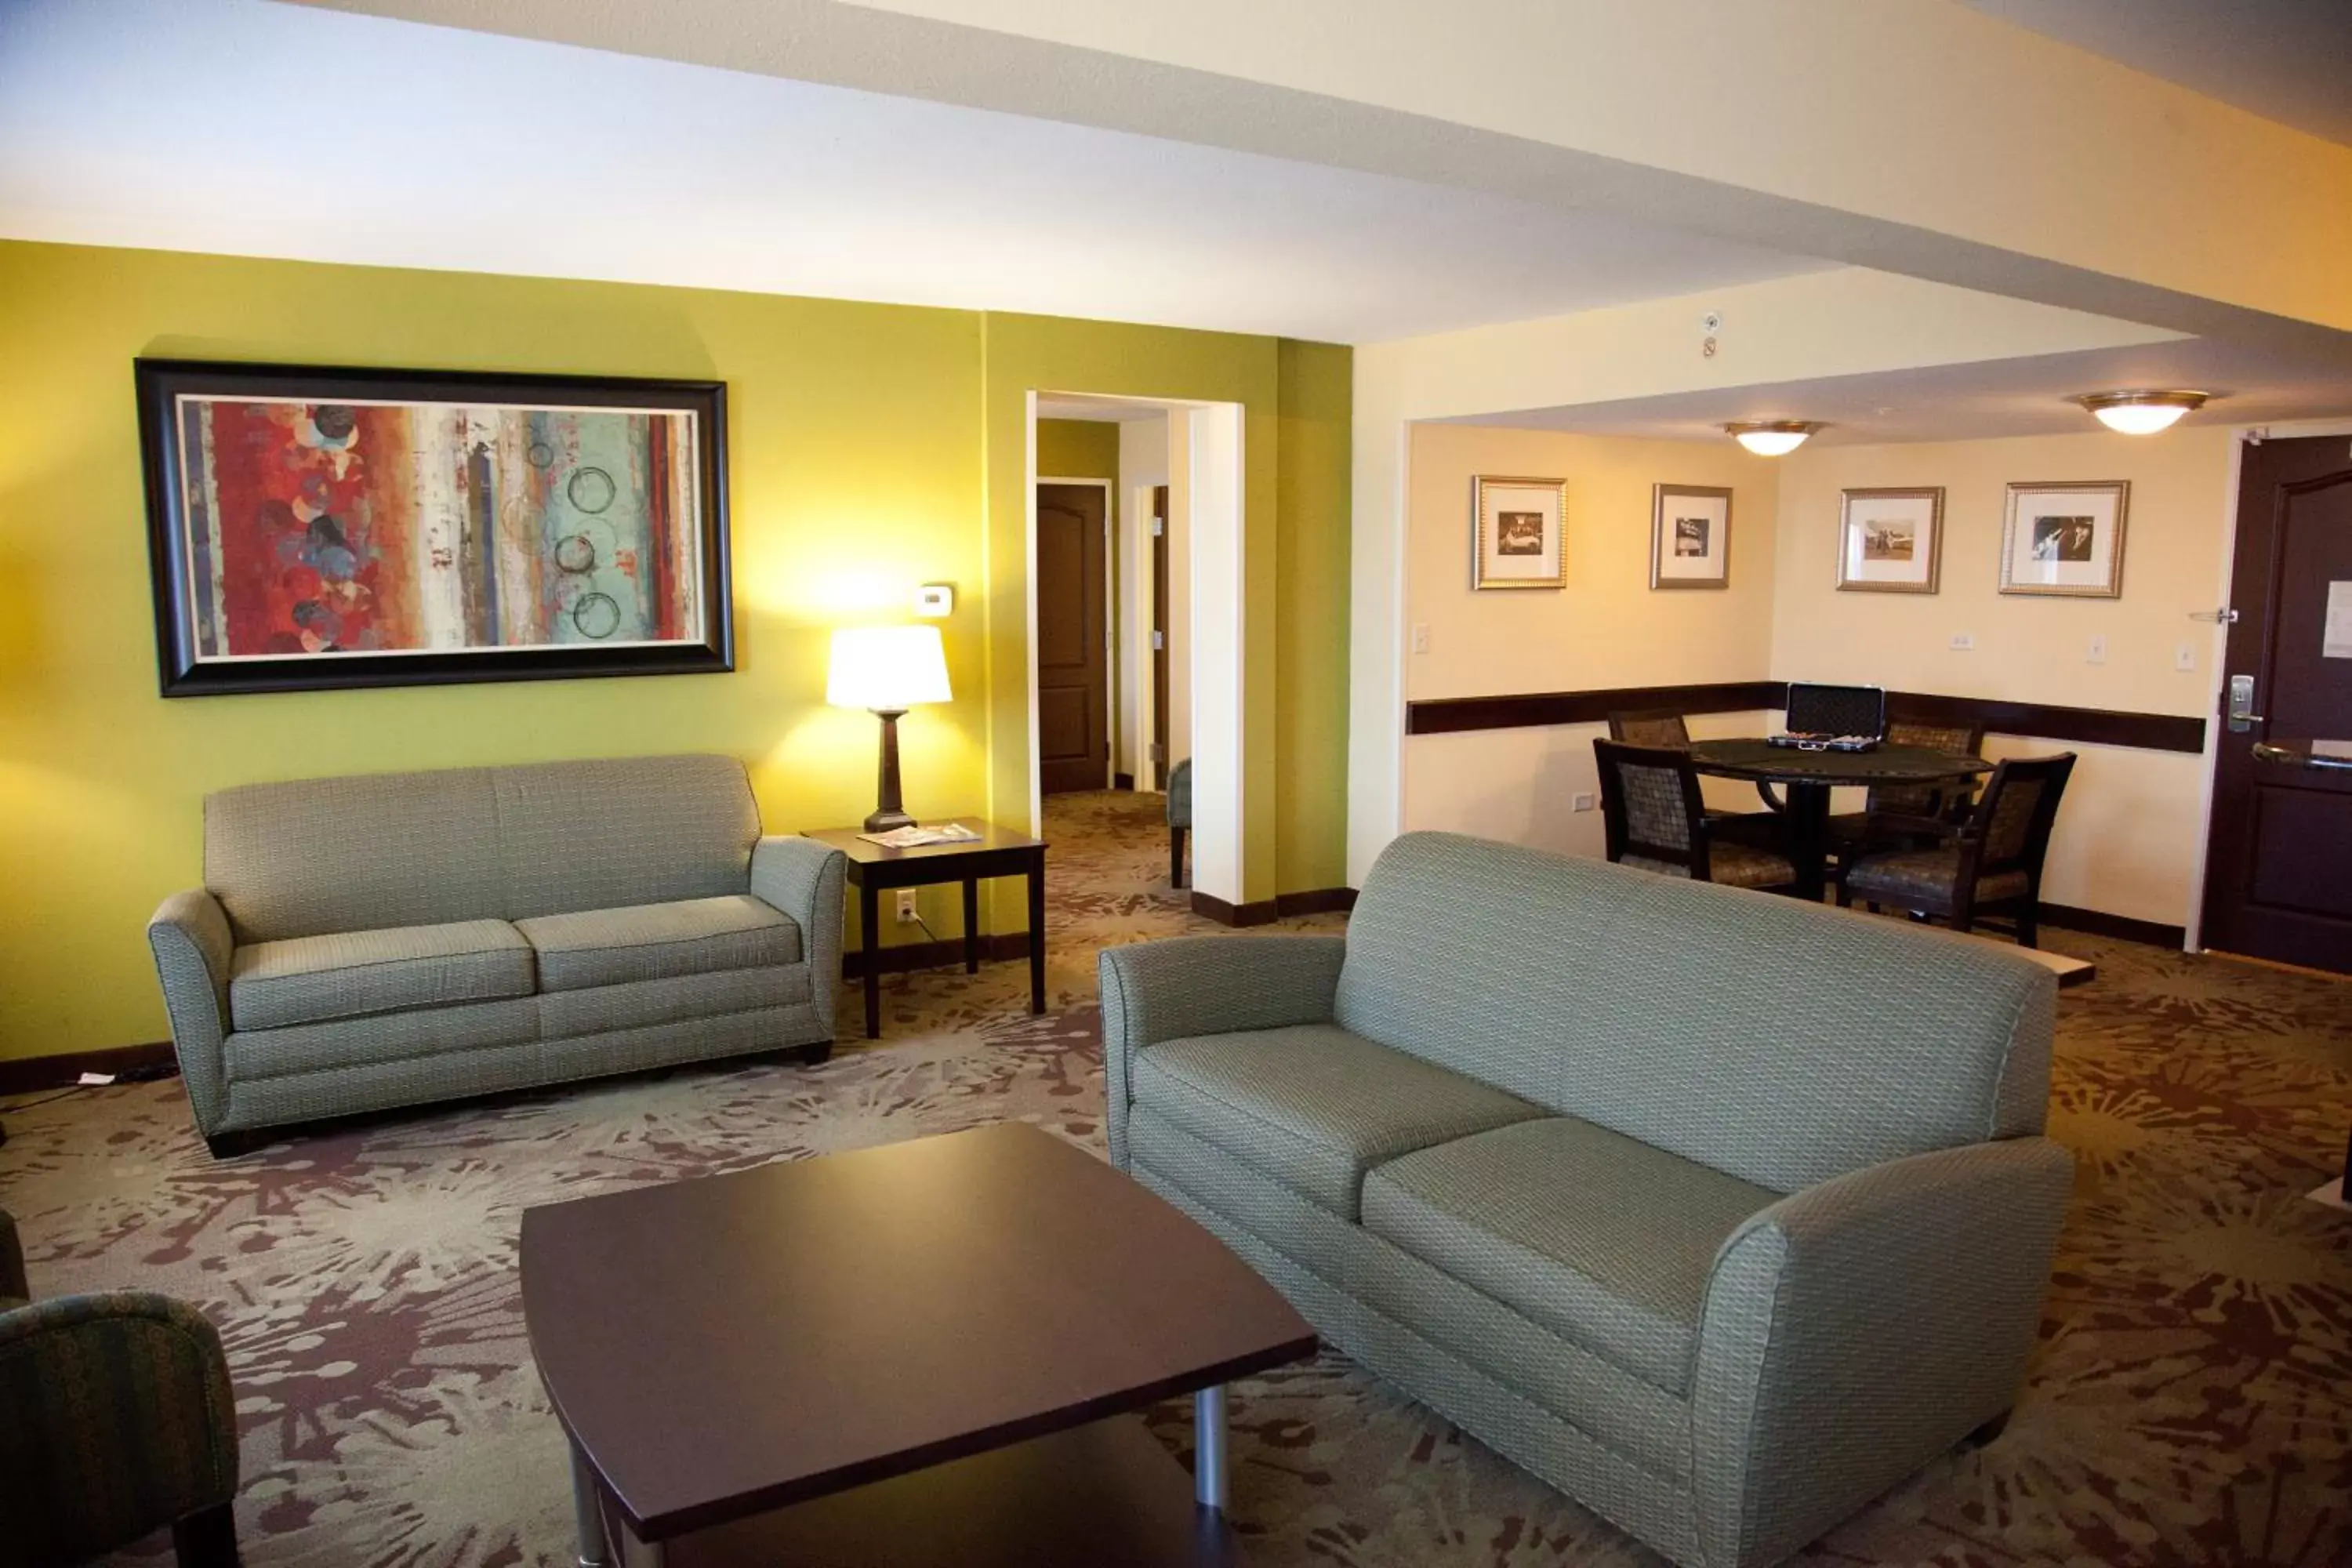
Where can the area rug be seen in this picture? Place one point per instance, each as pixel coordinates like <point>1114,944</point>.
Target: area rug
<point>2191,1401</point>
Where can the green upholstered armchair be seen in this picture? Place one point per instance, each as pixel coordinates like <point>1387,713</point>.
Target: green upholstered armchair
<point>115,1420</point>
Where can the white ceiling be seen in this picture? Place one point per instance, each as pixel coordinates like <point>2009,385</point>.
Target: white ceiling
<point>1102,410</point>
<point>248,128</point>
<point>1973,402</point>
<point>2288,60</point>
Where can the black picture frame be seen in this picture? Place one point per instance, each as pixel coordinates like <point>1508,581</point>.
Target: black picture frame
<point>161,383</point>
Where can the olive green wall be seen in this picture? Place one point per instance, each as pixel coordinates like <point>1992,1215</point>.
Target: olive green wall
<point>1078,450</point>
<point>871,448</point>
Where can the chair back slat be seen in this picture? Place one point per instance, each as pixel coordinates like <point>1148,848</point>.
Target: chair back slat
<point>1926,799</point>
<point>1650,805</point>
<point>1649,727</point>
<point>2012,824</point>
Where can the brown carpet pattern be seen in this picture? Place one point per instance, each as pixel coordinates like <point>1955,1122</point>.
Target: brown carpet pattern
<point>2189,1404</point>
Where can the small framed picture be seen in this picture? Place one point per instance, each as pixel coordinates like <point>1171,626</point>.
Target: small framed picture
<point>1515,533</point>
<point>2065,538</point>
<point>1690,536</point>
<point>1891,541</point>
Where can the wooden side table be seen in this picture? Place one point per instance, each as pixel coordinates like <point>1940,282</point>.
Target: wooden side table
<point>997,852</point>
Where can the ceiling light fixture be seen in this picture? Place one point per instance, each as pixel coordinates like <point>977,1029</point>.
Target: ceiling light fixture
<point>1771,438</point>
<point>2141,413</point>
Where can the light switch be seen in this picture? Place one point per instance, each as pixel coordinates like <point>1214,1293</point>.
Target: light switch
<point>2184,657</point>
<point>1580,802</point>
<point>1964,642</point>
<point>2098,653</point>
<point>1421,638</point>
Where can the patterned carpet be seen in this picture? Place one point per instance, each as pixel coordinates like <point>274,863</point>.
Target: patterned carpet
<point>2189,1405</point>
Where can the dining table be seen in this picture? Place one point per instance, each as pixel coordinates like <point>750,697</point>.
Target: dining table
<point>1809,774</point>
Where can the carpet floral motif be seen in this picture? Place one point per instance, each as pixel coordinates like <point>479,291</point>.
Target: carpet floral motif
<point>2191,1401</point>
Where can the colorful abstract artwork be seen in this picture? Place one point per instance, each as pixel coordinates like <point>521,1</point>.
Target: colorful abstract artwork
<point>307,533</point>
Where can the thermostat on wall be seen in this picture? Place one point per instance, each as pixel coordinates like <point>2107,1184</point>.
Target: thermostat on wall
<point>935,601</point>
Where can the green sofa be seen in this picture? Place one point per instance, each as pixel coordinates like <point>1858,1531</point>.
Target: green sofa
<point>1720,1212</point>
<point>394,938</point>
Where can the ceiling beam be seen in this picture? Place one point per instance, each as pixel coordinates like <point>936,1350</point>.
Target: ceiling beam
<point>1911,136</point>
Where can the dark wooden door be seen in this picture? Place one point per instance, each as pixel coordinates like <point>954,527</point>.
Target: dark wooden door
<point>1073,656</point>
<point>2278,872</point>
<point>1159,638</point>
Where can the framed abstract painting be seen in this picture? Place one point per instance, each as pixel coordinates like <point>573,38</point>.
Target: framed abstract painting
<point>311,528</point>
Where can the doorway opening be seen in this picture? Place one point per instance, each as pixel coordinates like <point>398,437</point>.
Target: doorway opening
<point>1134,617</point>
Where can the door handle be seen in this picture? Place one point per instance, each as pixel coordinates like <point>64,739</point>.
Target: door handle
<point>2242,714</point>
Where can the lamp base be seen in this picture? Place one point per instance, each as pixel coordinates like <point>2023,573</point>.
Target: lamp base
<point>888,811</point>
<point>884,821</point>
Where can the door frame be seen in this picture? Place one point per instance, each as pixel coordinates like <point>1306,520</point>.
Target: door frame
<point>1216,458</point>
<point>2216,651</point>
<point>1110,488</point>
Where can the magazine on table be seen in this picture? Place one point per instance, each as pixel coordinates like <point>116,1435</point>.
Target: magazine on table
<point>914,835</point>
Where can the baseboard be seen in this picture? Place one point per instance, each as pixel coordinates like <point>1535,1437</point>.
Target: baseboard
<point>900,957</point>
<point>27,1075</point>
<point>1122,781</point>
<point>2123,928</point>
<point>1266,912</point>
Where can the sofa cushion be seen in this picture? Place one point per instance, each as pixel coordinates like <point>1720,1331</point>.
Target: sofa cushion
<point>1313,1106</point>
<point>351,974</point>
<point>656,942</point>
<point>1598,1236</point>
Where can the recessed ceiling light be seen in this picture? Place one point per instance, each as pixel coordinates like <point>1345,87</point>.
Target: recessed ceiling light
<point>2141,413</point>
<point>1771,438</point>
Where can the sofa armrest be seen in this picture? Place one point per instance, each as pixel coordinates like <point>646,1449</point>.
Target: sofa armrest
<point>1188,985</point>
<point>802,878</point>
<point>1856,1329</point>
<point>121,1420</point>
<point>189,937</point>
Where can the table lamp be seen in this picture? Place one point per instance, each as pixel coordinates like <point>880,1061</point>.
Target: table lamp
<point>887,670</point>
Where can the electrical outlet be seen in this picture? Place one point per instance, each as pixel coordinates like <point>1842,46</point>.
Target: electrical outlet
<point>1964,642</point>
<point>1421,638</point>
<point>1579,803</point>
<point>2098,653</point>
<point>906,906</point>
<point>2184,657</point>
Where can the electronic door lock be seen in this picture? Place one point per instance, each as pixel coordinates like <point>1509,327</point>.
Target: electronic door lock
<point>2242,714</point>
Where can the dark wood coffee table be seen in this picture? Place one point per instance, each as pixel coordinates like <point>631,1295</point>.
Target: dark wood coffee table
<point>901,1355</point>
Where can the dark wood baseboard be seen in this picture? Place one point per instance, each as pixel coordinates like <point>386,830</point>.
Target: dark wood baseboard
<point>2038,721</point>
<point>2123,928</point>
<point>28,1075</point>
<point>900,957</point>
<point>1282,907</point>
<point>1452,715</point>
<point>1122,781</point>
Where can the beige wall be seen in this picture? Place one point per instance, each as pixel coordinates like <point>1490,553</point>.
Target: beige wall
<point>1606,627</point>
<point>2130,833</point>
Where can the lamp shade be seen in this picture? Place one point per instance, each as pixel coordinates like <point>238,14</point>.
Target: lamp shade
<point>886,668</point>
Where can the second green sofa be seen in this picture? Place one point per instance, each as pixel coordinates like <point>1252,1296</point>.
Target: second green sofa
<point>1719,1211</point>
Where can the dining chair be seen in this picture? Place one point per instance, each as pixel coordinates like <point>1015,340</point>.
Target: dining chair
<point>1892,813</point>
<point>119,1420</point>
<point>1654,821</point>
<point>1991,865</point>
<point>1663,727</point>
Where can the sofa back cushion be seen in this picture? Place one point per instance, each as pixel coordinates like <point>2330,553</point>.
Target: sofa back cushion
<point>627,830</point>
<point>376,850</point>
<point>1778,1042</point>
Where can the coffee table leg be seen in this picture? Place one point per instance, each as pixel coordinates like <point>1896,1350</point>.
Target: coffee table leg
<point>1209,1447</point>
<point>588,1513</point>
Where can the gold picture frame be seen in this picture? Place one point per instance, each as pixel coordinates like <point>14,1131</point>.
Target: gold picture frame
<point>2064,539</point>
<point>1690,536</point>
<point>1517,532</point>
<point>1880,547</point>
